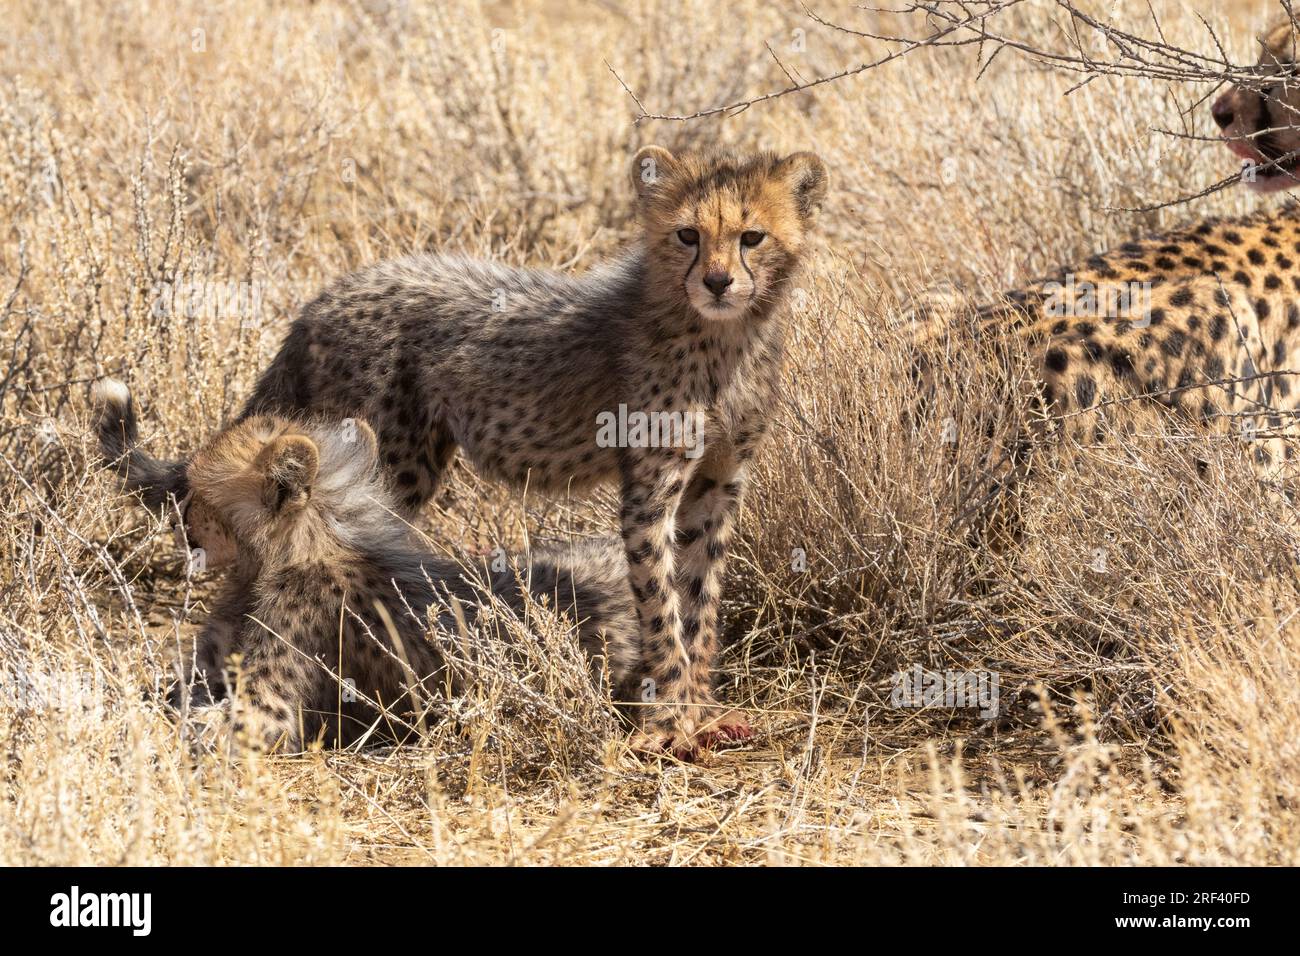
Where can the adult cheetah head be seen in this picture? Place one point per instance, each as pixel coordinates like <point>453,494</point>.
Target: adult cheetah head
<point>1260,122</point>
<point>724,232</point>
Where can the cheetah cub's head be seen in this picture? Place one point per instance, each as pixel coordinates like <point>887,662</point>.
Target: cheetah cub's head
<point>266,487</point>
<point>287,491</point>
<point>724,233</point>
<point>1260,122</point>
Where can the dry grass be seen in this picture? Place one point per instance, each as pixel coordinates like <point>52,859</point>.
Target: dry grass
<point>1149,711</point>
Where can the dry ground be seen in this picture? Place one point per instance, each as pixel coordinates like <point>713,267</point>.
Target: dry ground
<point>1149,708</point>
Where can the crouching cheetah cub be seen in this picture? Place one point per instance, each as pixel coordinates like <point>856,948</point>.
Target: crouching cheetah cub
<point>332,598</point>
<point>657,370</point>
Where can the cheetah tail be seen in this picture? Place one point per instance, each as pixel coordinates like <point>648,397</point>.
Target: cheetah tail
<point>154,480</point>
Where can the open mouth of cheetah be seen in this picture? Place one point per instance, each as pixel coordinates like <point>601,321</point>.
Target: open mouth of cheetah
<point>1273,168</point>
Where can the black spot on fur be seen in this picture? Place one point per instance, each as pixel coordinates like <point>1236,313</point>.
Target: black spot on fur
<point>1085,391</point>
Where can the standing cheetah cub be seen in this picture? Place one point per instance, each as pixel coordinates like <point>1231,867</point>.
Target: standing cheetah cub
<point>330,585</point>
<point>526,371</point>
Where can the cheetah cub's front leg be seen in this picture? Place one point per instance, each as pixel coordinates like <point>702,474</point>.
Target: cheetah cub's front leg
<point>677,522</point>
<point>653,481</point>
<point>705,523</point>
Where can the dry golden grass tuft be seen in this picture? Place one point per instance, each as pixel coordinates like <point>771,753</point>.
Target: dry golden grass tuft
<point>1149,711</point>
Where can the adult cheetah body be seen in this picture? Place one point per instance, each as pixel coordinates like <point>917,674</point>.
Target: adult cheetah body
<point>1214,334</point>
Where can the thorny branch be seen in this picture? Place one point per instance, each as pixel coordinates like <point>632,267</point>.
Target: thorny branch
<point>1080,43</point>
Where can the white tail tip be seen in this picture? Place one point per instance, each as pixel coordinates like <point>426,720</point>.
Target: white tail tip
<point>109,391</point>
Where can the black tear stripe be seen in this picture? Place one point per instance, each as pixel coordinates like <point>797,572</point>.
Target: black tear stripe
<point>696,261</point>
<point>753,283</point>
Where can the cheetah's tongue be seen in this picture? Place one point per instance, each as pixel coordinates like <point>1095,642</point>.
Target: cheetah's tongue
<point>1244,150</point>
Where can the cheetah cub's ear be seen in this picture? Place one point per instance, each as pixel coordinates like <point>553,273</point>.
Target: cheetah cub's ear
<point>369,441</point>
<point>360,461</point>
<point>289,466</point>
<point>807,177</point>
<point>649,165</point>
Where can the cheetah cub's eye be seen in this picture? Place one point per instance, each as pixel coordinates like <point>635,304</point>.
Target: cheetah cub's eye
<point>689,237</point>
<point>752,238</point>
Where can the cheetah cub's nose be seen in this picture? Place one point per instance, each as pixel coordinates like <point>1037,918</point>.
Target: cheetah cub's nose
<point>1222,111</point>
<point>718,282</point>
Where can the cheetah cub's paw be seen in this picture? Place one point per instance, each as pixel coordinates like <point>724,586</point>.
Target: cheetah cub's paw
<point>729,726</point>
<point>664,741</point>
<point>210,727</point>
<point>658,740</point>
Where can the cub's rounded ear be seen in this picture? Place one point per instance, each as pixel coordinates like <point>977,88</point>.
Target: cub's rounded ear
<point>366,435</point>
<point>649,165</point>
<point>290,464</point>
<point>357,431</point>
<point>807,176</point>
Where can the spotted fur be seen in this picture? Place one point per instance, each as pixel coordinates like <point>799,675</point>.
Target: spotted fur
<point>329,584</point>
<point>513,367</point>
<point>1215,336</point>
